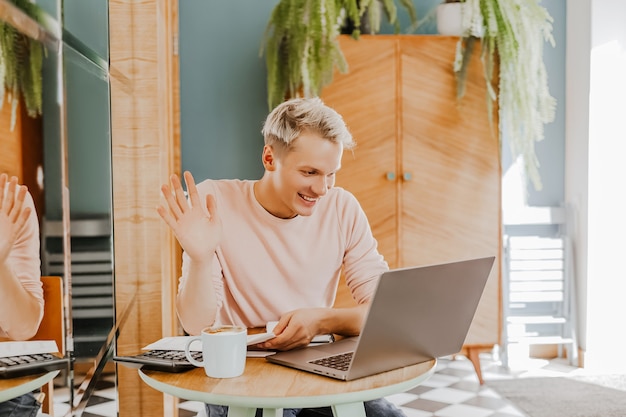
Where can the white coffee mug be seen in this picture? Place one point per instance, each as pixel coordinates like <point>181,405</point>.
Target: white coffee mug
<point>223,351</point>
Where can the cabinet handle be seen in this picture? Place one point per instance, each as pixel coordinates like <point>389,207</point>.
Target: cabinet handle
<point>390,176</point>
<point>407,176</point>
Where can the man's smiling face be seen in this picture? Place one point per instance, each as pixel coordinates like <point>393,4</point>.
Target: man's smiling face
<point>302,175</point>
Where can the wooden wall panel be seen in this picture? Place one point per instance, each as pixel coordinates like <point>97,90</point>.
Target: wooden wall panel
<point>145,150</point>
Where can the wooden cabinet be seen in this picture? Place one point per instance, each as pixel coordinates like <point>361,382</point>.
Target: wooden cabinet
<point>21,149</point>
<point>426,168</point>
<point>11,143</point>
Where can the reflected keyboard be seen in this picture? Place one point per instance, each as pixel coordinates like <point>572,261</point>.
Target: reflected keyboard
<point>15,366</point>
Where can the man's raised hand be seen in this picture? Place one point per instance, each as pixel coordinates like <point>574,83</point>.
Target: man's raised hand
<point>197,229</point>
<point>13,214</point>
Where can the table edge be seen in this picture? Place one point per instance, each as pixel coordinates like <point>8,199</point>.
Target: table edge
<point>291,402</point>
<point>29,386</point>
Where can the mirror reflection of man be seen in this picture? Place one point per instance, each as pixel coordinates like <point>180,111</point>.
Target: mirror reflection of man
<point>21,292</point>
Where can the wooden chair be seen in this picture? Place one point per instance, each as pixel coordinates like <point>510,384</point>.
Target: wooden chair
<point>52,327</point>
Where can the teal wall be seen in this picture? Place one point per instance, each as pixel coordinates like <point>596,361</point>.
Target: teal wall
<point>89,22</point>
<point>223,95</point>
<point>85,61</point>
<point>86,57</point>
<point>89,136</point>
<point>551,151</point>
<point>50,7</point>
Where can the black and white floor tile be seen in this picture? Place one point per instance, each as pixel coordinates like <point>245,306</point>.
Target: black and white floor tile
<point>453,391</point>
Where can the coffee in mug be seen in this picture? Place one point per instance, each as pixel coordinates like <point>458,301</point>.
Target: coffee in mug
<point>223,351</point>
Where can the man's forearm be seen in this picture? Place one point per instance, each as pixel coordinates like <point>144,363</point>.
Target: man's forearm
<point>345,321</point>
<point>196,302</point>
<point>20,312</point>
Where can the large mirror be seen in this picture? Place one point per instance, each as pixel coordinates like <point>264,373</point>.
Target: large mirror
<point>64,157</point>
<point>35,136</point>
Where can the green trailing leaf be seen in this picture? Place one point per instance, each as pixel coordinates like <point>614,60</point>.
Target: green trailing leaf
<point>301,42</point>
<point>513,36</point>
<point>21,61</point>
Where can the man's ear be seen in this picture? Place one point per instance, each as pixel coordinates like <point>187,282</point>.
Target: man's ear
<point>269,158</point>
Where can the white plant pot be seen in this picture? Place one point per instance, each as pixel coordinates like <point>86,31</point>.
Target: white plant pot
<point>450,19</point>
<point>459,19</point>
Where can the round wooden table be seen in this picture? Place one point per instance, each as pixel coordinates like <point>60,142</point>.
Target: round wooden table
<point>274,387</point>
<point>14,387</point>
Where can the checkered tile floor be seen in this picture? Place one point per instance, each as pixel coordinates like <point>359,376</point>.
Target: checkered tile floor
<point>453,391</point>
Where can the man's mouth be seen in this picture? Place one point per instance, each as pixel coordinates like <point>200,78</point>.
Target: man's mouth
<point>306,198</point>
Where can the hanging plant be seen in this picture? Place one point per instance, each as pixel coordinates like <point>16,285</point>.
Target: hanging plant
<point>300,42</point>
<point>21,61</point>
<point>513,33</point>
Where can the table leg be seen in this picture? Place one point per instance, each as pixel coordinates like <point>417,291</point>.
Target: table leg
<point>272,412</point>
<point>349,410</point>
<point>241,411</point>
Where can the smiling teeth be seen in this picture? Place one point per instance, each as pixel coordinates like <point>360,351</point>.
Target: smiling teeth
<point>308,198</point>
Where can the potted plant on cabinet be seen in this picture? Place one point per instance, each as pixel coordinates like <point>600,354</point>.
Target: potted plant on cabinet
<point>449,17</point>
<point>512,33</point>
<point>300,42</point>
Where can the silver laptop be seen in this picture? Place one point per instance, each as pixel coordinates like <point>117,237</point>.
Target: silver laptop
<point>416,314</point>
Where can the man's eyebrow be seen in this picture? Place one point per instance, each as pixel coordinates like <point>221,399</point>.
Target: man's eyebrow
<point>311,168</point>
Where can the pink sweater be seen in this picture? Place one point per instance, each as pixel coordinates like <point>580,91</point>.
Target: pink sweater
<point>24,259</point>
<point>266,266</point>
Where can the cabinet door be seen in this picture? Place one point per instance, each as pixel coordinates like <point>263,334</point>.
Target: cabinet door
<point>21,150</point>
<point>10,143</point>
<point>450,206</point>
<point>366,98</point>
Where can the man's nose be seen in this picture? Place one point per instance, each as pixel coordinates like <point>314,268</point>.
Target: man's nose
<point>322,186</point>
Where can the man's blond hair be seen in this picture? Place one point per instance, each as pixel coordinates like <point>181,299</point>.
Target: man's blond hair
<point>293,117</point>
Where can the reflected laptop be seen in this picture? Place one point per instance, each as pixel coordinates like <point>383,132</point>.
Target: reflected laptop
<point>416,314</point>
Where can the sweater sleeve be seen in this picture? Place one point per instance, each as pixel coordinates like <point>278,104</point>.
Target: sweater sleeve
<point>24,259</point>
<point>362,264</point>
<point>25,256</point>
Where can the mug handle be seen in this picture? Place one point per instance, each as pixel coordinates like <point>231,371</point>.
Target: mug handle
<point>188,352</point>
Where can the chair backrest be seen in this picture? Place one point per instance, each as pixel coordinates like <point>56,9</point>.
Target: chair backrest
<point>52,325</point>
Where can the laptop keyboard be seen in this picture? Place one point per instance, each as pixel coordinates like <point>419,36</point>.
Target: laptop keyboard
<point>340,362</point>
<point>161,360</point>
<point>172,357</point>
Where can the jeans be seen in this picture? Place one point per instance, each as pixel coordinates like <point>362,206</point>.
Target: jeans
<point>23,406</point>
<point>374,408</point>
